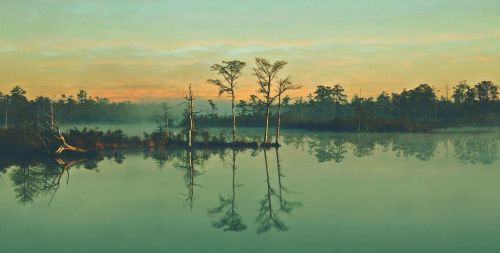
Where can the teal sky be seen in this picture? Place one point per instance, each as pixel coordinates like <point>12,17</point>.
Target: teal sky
<point>153,49</point>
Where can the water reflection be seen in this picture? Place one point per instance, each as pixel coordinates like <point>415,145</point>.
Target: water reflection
<point>32,178</point>
<point>275,202</point>
<point>35,177</point>
<point>475,150</point>
<point>227,210</point>
<point>190,173</point>
<point>267,217</point>
<point>468,148</point>
<point>286,205</point>
<point>328,149</point>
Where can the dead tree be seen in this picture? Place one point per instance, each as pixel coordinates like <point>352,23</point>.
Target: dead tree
<point>266,74</point>
<point>189,97</point>
<point>52,137</point>
<point>230,71</point>
<point>284,85</point>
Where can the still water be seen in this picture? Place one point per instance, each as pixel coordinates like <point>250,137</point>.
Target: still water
<point>319,192</point>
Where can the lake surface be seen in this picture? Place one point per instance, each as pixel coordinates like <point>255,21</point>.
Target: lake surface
<point>319,192</point>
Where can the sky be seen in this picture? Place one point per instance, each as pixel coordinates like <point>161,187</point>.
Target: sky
<point>142,50</point>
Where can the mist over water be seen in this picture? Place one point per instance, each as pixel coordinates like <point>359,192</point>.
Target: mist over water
<point>319,192</point>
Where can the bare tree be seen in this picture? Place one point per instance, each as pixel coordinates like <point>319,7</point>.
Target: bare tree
<point>189,97</point>
<point>266,74</point>
<point>230,71</point>
<point>284,85</point>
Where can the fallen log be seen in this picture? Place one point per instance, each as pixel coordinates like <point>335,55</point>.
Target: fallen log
<point>64,146</point>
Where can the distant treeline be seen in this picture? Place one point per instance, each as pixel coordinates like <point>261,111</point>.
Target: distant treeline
<point>326,108</point>
<point>81,108</point>
<point>418,109</point>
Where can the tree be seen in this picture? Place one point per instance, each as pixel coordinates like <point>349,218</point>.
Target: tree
<point>20,113</point>
<point>423,100</point>
<point>163,124</point>
<point>266,74</point>
<point>230,71</point>
<point>6,109</point>
<point>17,91</point>
<point>189,100</point>
<point>338,96</point>
<point>284,85</point>
<point>460,95</point>
<point>487,92</point>
<point>460,92</point>
<point>213,108</point>
<point>242,107</point>
<point>81,96</point>
<point>383,103</point>
<point>323,95</point>
<point>255,104</point>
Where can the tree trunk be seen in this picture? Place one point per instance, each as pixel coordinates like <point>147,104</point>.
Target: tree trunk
<point>278,121</point>
<point>266,130</point>
<point>6,112</point>
<point>234,119</point>
<point>191,123</point>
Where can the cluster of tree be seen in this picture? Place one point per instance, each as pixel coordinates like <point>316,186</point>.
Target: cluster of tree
<point>270,87</point>
<point>418,109</point>
<point>17,109</point>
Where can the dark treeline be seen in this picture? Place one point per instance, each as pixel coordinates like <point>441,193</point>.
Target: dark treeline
<point>17,109</point>
<point>418,109</point>
<point>327,107</point>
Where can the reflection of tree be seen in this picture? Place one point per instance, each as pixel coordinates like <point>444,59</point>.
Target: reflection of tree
<point>335,147</point>
<point>27,182</point>
<point>267,217</point>
<point>162,156</point>
<point>231,219</point>
<point>475,149</point>
<point>119,157</point>
<point>62,167</point>
<point>188,166</point>
<point>286,206</point>
<point>422,148</point>
<point>328,149</point>
<point>363,146</point>
<point>297,140</point>
<point>32,179</point>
